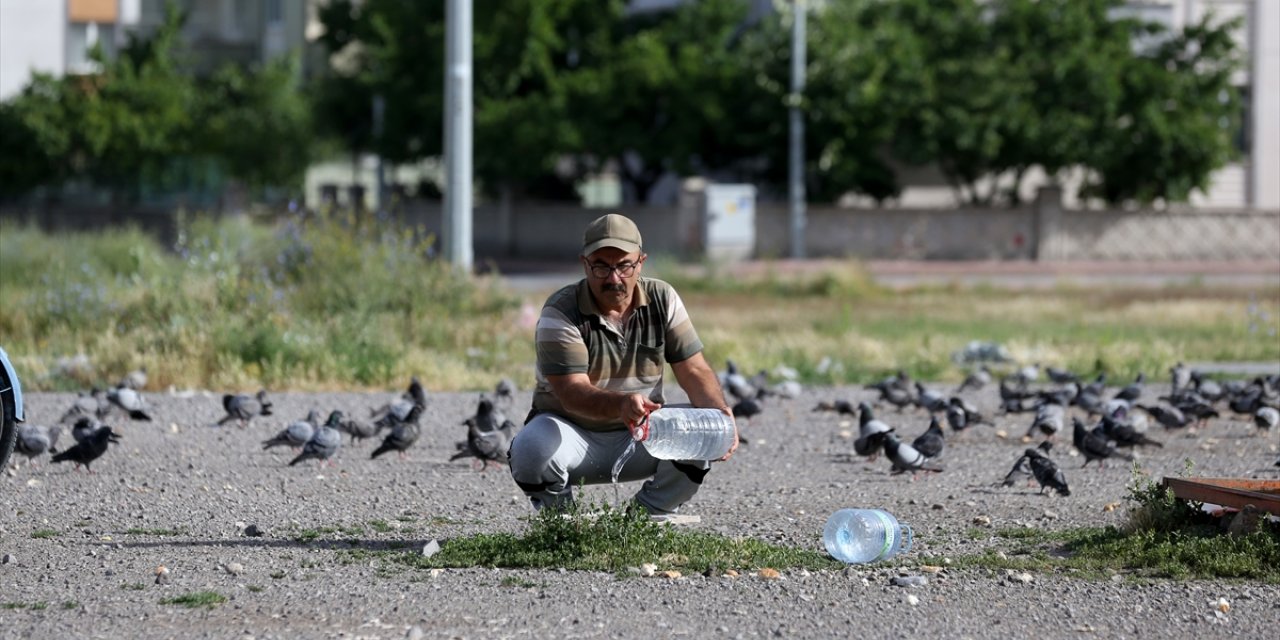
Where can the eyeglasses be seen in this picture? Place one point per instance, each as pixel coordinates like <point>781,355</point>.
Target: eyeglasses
<point>624,269</point>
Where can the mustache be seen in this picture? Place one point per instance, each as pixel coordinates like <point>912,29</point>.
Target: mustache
<point>619,287</point>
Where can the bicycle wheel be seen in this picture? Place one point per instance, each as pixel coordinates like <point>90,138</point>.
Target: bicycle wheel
<point>10,396</point>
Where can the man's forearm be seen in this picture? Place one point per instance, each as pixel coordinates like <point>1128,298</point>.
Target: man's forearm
<point>700,384</point>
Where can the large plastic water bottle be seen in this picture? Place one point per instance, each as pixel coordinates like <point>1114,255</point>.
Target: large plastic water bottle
<point>687,434</point>
<point>865,535</point>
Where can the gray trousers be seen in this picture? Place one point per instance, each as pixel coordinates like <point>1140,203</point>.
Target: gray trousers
<point>550,455</point>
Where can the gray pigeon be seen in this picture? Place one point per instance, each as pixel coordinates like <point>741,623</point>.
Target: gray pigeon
<point>735,383</point>
<point>906,458</point>
<point>489,435</point>
<point>136,379</point>
<point>324,443</point>
<point>1061,376</point>
<point>1133,391</point>
<point>976,380</point>
<point>91,403</point>
<point>871,433</point>
<point>1046,472</point>
<point>930,400</point>
<point>296,434</point>
<point>930,443</point>
<point>243,407</point>
<point>504,393</point>
<point>1093,444</point>
<point>1170,417</point>
<point>129,401</point>
<point>85,427</point>
<point>787,389</point>
<point>403,435</point>
<point>1266,418</point>
<point>962,415</point>
<point>1180,377</point>
<point>1021,470</point>
<point>34,440</point>
<point>1125,434</point>
<point>357,429</point>
<point>388,416</point>
<point>1050,418</point>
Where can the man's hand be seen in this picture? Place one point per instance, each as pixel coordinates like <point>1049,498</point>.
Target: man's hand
<point>729,412</point>
<point>634,408</point>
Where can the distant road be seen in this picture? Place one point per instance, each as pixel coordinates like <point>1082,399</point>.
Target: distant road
<point>541,276</point>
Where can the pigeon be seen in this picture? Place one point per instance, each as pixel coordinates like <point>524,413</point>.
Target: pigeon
<point>1013,391</point>
<point>1064,396</point>
<point>787,389</point>
<point>749,407</point>
<point>34,440</point>
<point>296,434</point>
<point>1049,420</point>
<point>1125,435</point>
<point>839,406</point>
<point>1266,418</point>
<point>136,379</point>
<point>243,408</point>
<point>401,437</point>
<point>489,435</point>
<point>1091,403</point>
<point>357,429</point>
<point>93,403</point>
<point>871,433</point>
<point>323,443</point>
<point>1133,391</point>
<point>1094,445</point>
<point>976,380</point>
<point>962,415</point>
<point>930,400</point>
<point>388,416</point>
<point>1061,376</point>
<point>896,396</point>
<point>129,401</point>
<point>92,448</point>
<point>735,383</point>
<point>1098,387</point>
<point>504,393</point>
<point>906,458</point>
<point>930,443</point>
<point>1046,472</point>
<point>1180,377</point>
<point>1021,470</point>
<point>1170,417</point>
<point>1208,389</point>
<point>85,427</point>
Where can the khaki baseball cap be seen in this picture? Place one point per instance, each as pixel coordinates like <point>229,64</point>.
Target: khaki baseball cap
<point>611,230</point>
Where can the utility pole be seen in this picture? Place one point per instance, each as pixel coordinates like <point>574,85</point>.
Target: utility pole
<point>457,134</point>
<point>796,172</point>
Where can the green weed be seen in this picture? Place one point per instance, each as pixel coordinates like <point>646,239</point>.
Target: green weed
<point>45,533</point>
<point>197,599</point>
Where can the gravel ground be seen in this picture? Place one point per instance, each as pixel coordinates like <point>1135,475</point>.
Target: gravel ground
<point>96,577</point>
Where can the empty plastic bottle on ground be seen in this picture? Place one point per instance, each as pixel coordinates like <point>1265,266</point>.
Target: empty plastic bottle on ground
<point>865,535</point>
<point>688,434</point>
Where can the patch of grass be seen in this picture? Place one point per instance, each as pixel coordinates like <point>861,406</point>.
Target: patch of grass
<point>380,526</point>
<point>153,532</point>
<point>253,588</point>
<point>276,575</point>
<point>307,535</point>
<point>45,533</point>
<point>518,582</point>
<point>68,605</point>
<point>197,599</point>
<point>609,539</point>
<point>1164,538</point>
<point>133,586</point>
<point>33,606</point>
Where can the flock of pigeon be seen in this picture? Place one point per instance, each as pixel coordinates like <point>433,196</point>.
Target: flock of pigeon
<point>488,436</point>
<point>1122,420</point>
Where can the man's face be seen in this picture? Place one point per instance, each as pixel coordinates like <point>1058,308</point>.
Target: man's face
<point>612,273</point>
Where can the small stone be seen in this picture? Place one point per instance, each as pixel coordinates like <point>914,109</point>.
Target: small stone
<point>1221,605</point>
<point>1002,434</point>
<point>929,568</point>
<point>938,506</point>
<point>982,521</point>
<point>648,569</point>
<point>430,548</point>
<point>1023,577</point>
<point>415,633</point>
<point>1115,577</point>
<point>233,568</point>
<point>731,573</point>
<point>252,531</point>
<point>770,574</point>
<point>1050,515</point>
<point>946,561</point>
<point>1110,506</point>
<point>912,600</point>
<point>908,581</point>
<point>8,559</point>
<point>436,573</point>
<point>670,574</point>
<point>162,575</point>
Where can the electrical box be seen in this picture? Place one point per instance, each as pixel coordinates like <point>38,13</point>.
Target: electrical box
<point>729,221</point>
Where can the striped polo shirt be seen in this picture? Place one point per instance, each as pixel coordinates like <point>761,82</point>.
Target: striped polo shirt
<point>572,337</point>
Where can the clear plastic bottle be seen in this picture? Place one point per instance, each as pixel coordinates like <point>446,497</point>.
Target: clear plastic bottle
<point>865,535</point>
<point>688,434</point>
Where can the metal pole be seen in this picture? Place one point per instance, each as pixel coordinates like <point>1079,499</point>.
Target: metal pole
<point>379,115</point>
<point>457,134</point>
<point>797,130</point>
